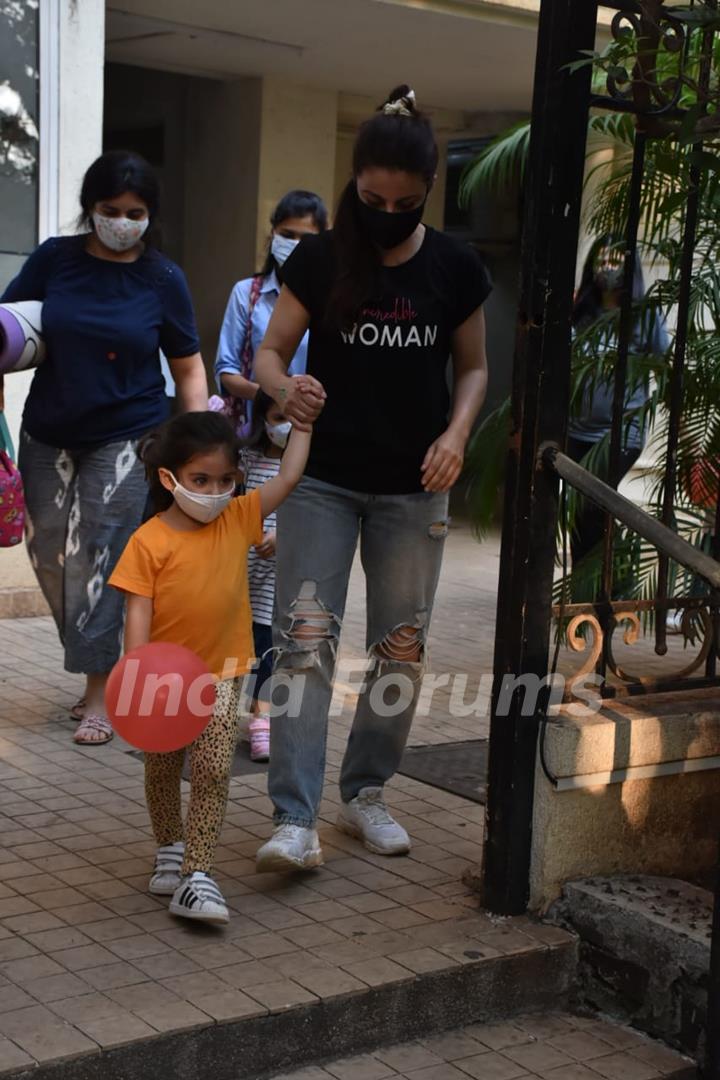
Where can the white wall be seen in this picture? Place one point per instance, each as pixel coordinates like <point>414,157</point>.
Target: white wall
<point>75,105</point>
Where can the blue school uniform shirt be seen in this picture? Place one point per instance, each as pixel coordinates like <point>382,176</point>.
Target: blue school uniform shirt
<point>104,324</point>
<point>235,325</point>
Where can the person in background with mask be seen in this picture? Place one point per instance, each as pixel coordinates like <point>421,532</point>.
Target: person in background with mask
<point>260,461</point>
<point>252,302</point>
<point>185,576</point>
<point>389,302</point>
<point>111,303</point>
<point>599,297</point>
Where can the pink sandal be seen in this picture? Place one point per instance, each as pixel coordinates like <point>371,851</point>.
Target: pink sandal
<point>78,710</point>
<point>93,731</point>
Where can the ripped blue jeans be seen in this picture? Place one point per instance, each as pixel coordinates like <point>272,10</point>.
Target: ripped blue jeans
<point>401,545</point>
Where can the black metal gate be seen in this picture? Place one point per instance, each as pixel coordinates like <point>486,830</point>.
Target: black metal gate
<point>672,103</point>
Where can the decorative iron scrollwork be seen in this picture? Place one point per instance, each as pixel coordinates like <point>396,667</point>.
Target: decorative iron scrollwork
<point>637,75</point>
<point>698,626</point>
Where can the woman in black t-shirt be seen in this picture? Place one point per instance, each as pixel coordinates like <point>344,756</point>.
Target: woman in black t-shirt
<point>387,300</point>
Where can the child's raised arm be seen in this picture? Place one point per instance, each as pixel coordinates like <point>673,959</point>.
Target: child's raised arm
<point>292,467</point>
<point>137,621</point>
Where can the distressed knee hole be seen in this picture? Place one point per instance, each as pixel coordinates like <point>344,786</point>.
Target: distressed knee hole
<point>310,621</point>
<point>403,645</point>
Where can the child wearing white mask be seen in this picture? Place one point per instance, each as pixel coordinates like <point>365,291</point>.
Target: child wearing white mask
<point>261,456</point>
<point>252,302</point>
<point>184,573</point>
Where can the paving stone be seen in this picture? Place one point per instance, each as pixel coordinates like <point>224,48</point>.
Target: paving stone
<point>360,1067</point>
<point>624,1066</point>
<point>281,995</point>
<point>498,1036</point>
<point>581,1045</point>
<point>378,971</point>
<point>87,956</point>
<point>55,987</point>
<point>408,1056</point>
<point>12,1057</point>
<point>491,1065</point>
<point>174,1016</point>
<point>87,1007</point>
<point>43,1035</point>
<point>12,997</point>
<point>660,1057</point>
<point>444,1071</point>
<point>30,968</point>
<point>452,1045</point>
<point>244,976</point>
<point>537,1057</point>
<point>227,1004</point>
<point>423,960</point>
<point>117,1030</point>
<point>115,975</point>
<point>571,1072</point>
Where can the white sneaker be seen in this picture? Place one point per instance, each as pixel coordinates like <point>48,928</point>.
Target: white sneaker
<point>166,875</point>
<point>198,897</point>
<point>292,847</point>
<point>366,816</point>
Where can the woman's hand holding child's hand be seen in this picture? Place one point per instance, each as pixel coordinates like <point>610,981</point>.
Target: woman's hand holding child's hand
<point>301,398</point>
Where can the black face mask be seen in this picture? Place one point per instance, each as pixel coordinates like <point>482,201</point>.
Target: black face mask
<point>389,230</point>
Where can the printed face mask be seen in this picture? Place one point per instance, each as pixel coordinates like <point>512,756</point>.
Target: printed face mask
<point>202,508</point>
<point>282,248</point>
<point>389,230</point>
<point>119,233</point>
<point>279,433</point>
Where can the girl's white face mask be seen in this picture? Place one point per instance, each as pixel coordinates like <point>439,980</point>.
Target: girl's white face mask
<point>282,248</point>
<point>202,508</point>
<point>279,433</point>
<point>119,233</point>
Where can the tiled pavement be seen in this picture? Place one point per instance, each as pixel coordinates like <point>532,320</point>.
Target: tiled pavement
<point>89,961</point>
<point>553,1046</point>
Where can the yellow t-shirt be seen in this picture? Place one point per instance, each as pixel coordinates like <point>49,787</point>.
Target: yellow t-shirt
<point>198,583</point>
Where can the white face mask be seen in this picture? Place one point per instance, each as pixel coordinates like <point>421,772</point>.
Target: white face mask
<point>119,233</point>
<point>282,248</point>
<point>202,508</point>
<point>279,433</point>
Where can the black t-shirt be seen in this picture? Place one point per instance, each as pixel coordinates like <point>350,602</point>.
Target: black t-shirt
<point>387,394</point>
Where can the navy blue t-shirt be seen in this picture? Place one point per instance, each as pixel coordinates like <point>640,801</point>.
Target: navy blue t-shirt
<point>104,323</point>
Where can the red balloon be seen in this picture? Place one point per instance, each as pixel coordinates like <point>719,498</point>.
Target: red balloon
<point>160,697</point>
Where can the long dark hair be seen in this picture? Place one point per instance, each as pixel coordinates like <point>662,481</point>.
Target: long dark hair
<point>296,204</point>
<point>403,141</point>
<point>588,301</point>
<point>114,173</point>
<point>256,437</point>
<point>179,440</point>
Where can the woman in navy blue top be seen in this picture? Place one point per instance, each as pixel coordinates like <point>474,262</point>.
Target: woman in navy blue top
<point>110,304</point>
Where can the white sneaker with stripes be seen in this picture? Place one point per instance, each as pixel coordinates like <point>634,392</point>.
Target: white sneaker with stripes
<point>166,875</point>
<point>198,897</point>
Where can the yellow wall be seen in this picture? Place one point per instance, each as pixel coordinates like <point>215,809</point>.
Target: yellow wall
<point>297,148</point>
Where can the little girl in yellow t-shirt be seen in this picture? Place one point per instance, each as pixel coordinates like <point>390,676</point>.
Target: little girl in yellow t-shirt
<point>185,575</point>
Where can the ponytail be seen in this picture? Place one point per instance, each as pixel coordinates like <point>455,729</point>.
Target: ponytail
<point>397,137</point>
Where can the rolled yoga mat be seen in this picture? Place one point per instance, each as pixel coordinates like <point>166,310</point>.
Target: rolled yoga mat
<point>21,341</point>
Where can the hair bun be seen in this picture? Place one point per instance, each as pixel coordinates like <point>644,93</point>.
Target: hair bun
<point>400,102</point>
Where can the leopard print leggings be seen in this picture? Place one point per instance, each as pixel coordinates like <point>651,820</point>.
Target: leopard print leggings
<point>210,759</point>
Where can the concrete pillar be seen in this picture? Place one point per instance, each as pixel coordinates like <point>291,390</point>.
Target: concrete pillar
<point>80,90</point>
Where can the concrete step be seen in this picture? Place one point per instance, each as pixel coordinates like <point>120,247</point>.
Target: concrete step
<point>644,952</point>
<point>540,1046</point>
<point>471,984</point>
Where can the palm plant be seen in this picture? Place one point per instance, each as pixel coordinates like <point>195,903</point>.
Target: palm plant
<point>674,162</point>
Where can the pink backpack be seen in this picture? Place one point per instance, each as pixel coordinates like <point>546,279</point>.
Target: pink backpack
<point>12,502</point>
